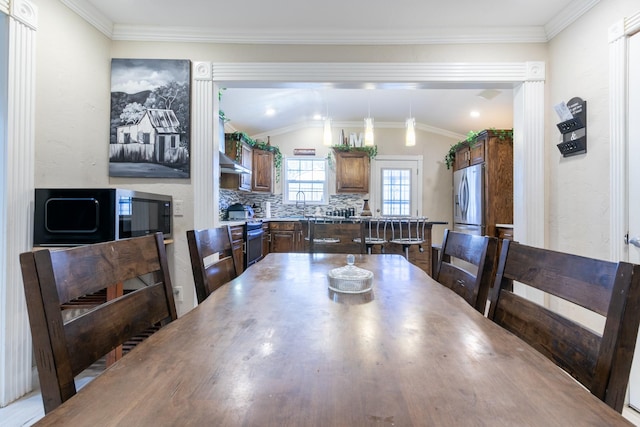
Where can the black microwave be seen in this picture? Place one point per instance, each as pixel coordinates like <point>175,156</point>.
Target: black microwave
<point>80,216</point>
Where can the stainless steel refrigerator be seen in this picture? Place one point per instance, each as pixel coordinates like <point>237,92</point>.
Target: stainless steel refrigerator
<point>468,200</point>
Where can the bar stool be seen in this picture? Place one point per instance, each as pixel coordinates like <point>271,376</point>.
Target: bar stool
<point>408,231</point>
<point>375,234</point>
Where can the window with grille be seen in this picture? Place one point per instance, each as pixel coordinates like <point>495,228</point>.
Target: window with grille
<point>396,192</point>
<point>305,181</point>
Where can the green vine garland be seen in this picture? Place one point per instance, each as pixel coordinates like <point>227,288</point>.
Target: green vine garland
<point>372,152</point>
<point>450,157</point>
<point>260,145</point>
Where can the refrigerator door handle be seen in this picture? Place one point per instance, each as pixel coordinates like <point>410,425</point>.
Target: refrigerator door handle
<point>464,195</point>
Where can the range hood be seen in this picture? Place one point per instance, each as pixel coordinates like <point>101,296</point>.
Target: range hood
<point>228,165</point>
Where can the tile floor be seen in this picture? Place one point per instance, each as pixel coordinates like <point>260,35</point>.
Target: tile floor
<point>27,410</point>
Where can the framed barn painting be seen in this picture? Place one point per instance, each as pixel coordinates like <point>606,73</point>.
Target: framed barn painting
<point>150,118</point>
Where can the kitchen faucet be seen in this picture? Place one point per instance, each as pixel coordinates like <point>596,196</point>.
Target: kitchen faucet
<point>304,201</point>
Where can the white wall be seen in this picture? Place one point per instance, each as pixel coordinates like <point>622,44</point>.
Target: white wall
<point>578,187</point>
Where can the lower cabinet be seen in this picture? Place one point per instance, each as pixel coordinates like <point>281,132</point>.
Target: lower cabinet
<point>286,236</point>
<point>237,245</point>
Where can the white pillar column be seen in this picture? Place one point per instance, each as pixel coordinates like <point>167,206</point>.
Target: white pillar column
<point>16,200</point>
<point>203,147</point>
<point>528,158</point>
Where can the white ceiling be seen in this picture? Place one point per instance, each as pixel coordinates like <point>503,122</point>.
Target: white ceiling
<point>344,22</point>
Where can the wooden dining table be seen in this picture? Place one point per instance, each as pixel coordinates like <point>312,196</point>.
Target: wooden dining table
<point>277,347</point>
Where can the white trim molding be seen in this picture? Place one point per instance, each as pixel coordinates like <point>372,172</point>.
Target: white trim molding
<point>204,173</point>
<point>16,200</point>
<point>529,78</point>
<point>25,12</point>
<point>619,34</point>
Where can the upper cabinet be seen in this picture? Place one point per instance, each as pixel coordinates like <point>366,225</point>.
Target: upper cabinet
<point>262,176</point>
<point>352,172</point>
<point>259,162</point>
<point>241,152</point>
<point>471,154</point>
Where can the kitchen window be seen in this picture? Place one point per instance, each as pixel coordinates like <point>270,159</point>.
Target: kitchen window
<point>305,181</point>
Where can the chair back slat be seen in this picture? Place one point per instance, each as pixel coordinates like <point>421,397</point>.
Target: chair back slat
<point>85,272</point>
<point>585,281</point>
<point>477,253</point>
<point>125,319</point>
<point>600,361</point>
<point>212,261</point>
<point>64,347</point>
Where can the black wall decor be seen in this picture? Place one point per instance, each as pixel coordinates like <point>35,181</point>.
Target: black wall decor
<point>574,130</point>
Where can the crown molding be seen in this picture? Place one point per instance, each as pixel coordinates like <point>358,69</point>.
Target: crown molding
<point>92,15</point>
<point>331,37</point>
<point>567,16</point>
<point>452,35</point>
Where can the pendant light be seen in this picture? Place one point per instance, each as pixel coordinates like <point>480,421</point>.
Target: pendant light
<point>326,137</point>
<point>410,138</point>
<point>368,130</point>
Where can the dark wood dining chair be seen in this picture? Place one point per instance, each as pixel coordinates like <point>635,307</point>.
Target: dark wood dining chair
<point>63,348</point>
<point>337,237</point>
<point>212,260</point>
<point>600,361</point>
<point>472,277</point>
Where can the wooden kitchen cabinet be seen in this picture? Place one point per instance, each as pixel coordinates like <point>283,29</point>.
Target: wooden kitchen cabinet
<point>352,171</point>
<point>262,171</point>
<point>493,149</point>
<point>237,246</point>
<point>240,151</point>
<point>286,236</point>
<point>471,154</point>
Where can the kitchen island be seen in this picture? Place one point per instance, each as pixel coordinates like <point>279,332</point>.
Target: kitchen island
<point>290,234</point>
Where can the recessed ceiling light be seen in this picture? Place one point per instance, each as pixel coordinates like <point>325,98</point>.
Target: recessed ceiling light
<point>270,112</point>
<point>489,94</point>
<point>474,114</point>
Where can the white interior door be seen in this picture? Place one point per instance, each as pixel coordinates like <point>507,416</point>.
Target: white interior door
<point>634,190</point>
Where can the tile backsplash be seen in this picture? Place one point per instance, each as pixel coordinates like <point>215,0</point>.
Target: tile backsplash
<point>278,209</point>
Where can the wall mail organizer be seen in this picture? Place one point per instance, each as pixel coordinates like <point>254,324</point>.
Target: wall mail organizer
<point>573,127</point>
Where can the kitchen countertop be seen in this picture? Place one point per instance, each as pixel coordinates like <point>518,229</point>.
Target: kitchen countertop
<point>244,221</point>
<point>299,218</point>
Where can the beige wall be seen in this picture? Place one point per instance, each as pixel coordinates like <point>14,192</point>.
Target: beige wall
<point>73,82</point>
<point>73,111</point>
